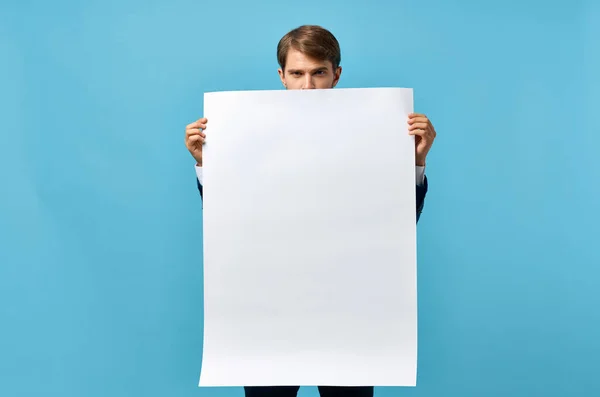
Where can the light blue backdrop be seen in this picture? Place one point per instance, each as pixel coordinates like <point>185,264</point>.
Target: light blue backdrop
<point>100,229</point>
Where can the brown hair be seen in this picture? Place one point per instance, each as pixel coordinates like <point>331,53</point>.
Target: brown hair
<point>311,40</point>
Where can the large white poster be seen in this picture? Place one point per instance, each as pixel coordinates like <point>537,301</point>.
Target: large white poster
<point>309,238</point>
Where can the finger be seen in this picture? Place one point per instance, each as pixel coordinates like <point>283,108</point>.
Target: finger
<point>198,123</point>
<point>420,132</point>
<point>199,126</point>
<point>196,139</point>
<point>422,126</point>
<point>420,119</point>
<point>195,131</point>
<point>413,115</point>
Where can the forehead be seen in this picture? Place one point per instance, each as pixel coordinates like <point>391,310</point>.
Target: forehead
<point>296,60</point>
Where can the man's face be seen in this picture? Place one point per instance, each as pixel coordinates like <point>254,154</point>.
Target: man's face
<point>304,73</point>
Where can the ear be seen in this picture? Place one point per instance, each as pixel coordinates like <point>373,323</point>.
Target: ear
<point>282,76</point>
<point>337,74</point>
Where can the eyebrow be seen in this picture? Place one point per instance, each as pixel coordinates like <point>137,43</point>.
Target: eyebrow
<point>312,71</point>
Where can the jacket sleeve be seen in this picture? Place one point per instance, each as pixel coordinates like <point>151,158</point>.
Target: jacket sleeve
<point>421,193</point>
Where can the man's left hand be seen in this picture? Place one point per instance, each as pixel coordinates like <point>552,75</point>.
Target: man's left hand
<point>420,126</point>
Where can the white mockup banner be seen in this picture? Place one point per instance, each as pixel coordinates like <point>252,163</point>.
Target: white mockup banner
<point>309,238</point>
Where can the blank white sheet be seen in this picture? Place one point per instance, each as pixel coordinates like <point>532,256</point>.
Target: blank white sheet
<point>309,238</point>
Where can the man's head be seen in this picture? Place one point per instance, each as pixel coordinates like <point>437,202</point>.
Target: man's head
<point>309,58</point>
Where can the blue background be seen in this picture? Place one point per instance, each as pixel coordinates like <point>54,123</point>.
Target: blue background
<point>100,230</point>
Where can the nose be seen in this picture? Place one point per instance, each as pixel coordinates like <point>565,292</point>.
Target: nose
<point>309,84</point>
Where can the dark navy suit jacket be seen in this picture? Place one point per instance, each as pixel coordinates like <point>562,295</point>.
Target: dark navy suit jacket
<point>421,193</point>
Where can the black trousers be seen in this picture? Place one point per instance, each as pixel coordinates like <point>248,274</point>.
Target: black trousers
<point>292,391</point>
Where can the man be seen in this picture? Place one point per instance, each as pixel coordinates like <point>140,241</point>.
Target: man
<point>309,58</point>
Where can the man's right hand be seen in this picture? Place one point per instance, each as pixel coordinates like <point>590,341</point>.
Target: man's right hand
<point>194,139</point>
